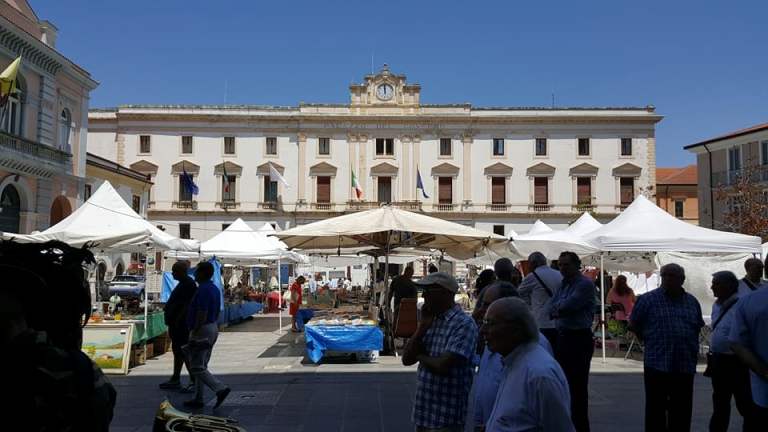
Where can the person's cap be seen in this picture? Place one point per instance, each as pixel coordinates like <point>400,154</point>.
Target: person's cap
<point>442,279</point>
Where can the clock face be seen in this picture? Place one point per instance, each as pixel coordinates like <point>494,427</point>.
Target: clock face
<point>385,92</point>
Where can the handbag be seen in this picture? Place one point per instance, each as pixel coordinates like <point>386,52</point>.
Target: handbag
<point>711,358</point>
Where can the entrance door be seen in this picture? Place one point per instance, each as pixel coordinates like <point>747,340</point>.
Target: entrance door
<point>385,190</point>
<point>10,210</point>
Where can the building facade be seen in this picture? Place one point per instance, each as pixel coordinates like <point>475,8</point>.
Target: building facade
<point>498,169</point>
<point>43,126</point>
<point>721,162</point>
<point>677,192</point>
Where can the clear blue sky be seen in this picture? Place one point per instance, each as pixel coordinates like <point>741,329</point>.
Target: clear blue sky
<point>703,64</point>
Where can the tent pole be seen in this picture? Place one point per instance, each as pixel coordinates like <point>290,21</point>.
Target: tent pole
<point>280,299</point>
<point>602,302</point>
<point>389,312</point>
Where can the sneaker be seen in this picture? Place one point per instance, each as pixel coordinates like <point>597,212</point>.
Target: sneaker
<point>194,403</point>
<point>220,396</point>
<point>170,385</point>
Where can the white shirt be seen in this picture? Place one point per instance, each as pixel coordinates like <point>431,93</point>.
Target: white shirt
<point>718,342</point>
<point>533,395</point>
<point>537,297</point>
<point>745,289</point>
<point>312,285</point>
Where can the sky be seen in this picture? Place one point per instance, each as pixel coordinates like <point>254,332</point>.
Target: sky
<point>703,64</point>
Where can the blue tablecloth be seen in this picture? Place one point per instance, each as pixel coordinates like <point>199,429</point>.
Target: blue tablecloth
<point>320,338</point>
<point>234,313</point>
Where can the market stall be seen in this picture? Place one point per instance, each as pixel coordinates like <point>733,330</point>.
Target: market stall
<point>343,334</point>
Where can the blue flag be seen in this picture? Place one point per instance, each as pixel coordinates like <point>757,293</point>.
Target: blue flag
<point>420,184</point>
<point>188,183</point>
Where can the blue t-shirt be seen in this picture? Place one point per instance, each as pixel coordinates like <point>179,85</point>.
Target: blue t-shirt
<point>207,298</point>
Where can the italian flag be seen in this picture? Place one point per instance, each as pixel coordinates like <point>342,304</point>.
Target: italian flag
<point>356,186</point>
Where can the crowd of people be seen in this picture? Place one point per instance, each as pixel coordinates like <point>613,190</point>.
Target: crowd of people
<point>522,360</point>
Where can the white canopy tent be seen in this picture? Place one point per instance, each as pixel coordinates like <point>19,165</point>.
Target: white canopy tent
<point>551,243</point>
<point>538,227</point>
<point>242,244</point>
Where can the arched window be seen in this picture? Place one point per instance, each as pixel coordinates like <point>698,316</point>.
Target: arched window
<point>65,128</point>
<point>10,209</point>
<point>13,120</point>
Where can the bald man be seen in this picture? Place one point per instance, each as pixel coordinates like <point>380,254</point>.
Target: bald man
<point>533,393</point>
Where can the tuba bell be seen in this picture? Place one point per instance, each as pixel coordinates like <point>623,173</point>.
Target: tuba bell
<point>169,419</point>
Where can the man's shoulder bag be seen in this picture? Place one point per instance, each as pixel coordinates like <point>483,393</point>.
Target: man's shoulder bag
<point>545,286</point>
<point>711,362</point>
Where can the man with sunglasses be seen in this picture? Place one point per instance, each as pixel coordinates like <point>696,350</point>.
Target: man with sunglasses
<point>443,345</point>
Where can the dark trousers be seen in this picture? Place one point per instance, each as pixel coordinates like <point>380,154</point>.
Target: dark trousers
<point>551,335</point>
<point>574,353</point>
<point>730,378</point>
<point>668,401</point>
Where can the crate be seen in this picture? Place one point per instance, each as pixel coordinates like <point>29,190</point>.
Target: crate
<point>161,344</point>
<point>138,356</point>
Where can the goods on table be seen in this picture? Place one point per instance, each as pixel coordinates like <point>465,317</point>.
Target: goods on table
<point>345,321</point>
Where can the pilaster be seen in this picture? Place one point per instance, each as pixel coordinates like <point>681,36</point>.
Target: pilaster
<point>652,162</point>
<point>467,141</point>
<point>46,115</point>
<point>301,140</point>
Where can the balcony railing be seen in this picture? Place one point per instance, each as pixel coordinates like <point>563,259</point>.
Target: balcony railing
<point>730,177</point>
<point>497,207</point>
<point>445,207</point>
<point>33,148</point>
<point>186,205</point>
<point>363,205</point>
<point>540,207</point>
<point>408,205</point>
<point>228,204</point>
<point>322,206</point>
<point>583,207</point>
<point>621,207</point>
<point>268,205</point>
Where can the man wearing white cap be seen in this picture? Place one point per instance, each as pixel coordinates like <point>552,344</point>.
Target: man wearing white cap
<point>443,345</point>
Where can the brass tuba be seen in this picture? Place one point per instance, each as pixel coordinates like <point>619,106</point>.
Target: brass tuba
<point>169,419</point>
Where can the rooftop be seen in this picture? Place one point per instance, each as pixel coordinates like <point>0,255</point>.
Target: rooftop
<point>687,175</point>
<point>734,134</point>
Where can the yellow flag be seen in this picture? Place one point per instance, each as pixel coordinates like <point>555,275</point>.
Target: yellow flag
<point>8,78</point>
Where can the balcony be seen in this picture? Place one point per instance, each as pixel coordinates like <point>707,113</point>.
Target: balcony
<point>362,205</point>
<point>268,205</point>
<point>583,207</point>
<point>621,207</point>
<point>184,205</point>
<point>539,208</point>
<point>408,205</point>
<point>32,157</point>
<point>322,206</point>
<point>228,204</point>
<point>445,207</point>
<point>497,207</point>
<point>758,173</point>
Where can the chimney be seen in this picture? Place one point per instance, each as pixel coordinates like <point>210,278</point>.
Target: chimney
<point>49,33</point>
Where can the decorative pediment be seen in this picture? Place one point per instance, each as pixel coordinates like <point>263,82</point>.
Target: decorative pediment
<point>179,167</point>
<point>231,168</point>
<point>540,170</point>
<point>263,169</point>
<point>583,169</point>
<point>322,169</point>
<point>144,167</point>
<point>627,170</point>
<point>384,169</point>
<point>445,169</point>
<point>498,170</point>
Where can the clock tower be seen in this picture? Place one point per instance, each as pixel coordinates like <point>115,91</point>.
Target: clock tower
<point>385,89</point>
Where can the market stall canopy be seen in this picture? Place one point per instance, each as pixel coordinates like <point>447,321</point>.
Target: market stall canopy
<point>107,220</point>
<point>241,243</point>
<point>585,224</point>
<point>551,243</point>
<point>388,227</point>
<point>539,227</point>
<point>644,227</point>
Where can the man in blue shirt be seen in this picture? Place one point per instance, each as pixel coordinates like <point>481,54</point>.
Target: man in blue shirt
<point>202,320</point>
<point>668,320</point>
<point>573,308</point>
<point>730,376</point>
<point>749,340</point>
<point>533,393</point>
<point>443,345</point>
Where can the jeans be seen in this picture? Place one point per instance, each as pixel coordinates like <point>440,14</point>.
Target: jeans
<point>574,353</point>
<point>730,378</point>
<point>668,400</point>
<point>199,352</point>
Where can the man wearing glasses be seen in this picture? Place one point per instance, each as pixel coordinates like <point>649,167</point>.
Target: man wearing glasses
<point>443,345</point>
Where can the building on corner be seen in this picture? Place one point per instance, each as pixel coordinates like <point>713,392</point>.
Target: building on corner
<point>677,192</point>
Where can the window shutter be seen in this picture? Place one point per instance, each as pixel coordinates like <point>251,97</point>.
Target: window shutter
<point>584,190</point>
<point>627,190</point>
<point>445,192</point>
<point>498,190</point>
<point>385,189</point>
<point>323,189</point>
<point>540,190</point>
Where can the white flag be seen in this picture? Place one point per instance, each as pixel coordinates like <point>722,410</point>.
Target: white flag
<point>275,175</point>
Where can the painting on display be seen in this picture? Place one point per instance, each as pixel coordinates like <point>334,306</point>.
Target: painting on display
<point>109,346</point>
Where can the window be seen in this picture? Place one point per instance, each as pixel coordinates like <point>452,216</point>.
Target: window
<point>734,159</point>
<point>323,189</point>
<point>445,147</point>
<point>541,190</point>
<point>764,152</point>
<point>583,190</point>
<point>228,186</point>
<point>627,190</point>
<point>498,146</point>
<point>498,190</point>
<point>385,189</point>
<point>186,145</point>
<point>65,125</point>
<point>184,231</point>
<point>498,229</point>
<point>225,226</point>
<point>271,147</point>
<point>12,121</point>
<point>229,145</point>
<point>185,195</point>
<point>541,146</point>
<point>445,190</point>
<point>583,146</point>
<point>679,207</point>
<point>145,144</point>
<point>270,190</point>
<point>136,203</point>
<point>87,192</point>
<point>324,146</point>
<point>626,146</point>
<point>385,146</point>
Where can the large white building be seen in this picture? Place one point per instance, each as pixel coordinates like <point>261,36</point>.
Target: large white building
<point>495,168</point>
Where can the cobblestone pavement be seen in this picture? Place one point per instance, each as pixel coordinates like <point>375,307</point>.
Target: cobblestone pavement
<point>275,388</point>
